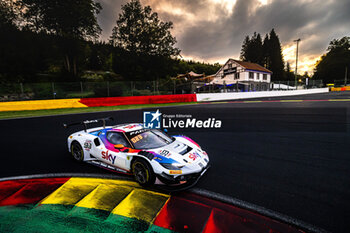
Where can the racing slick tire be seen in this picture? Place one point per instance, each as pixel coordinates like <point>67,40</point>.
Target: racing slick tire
<point>143,172</point>
<point>77,151</point>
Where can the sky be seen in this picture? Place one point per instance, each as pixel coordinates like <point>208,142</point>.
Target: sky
<point>213,30</point>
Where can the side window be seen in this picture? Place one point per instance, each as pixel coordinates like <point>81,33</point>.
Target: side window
<point>97,142</point>
<point>117,138</point>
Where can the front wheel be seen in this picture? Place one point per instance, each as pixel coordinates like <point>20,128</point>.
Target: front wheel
<point>143,172</point>
<point>77,151</point>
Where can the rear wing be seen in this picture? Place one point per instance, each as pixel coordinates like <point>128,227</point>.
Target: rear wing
<point>86,122</point>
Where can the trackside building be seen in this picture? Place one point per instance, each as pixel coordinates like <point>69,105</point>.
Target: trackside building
<point>243,76</point>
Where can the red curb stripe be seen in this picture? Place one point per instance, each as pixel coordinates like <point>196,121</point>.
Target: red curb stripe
<point>218,222</point>
<point>195,213</point>
<point>182,215</point>
<point>28,191</point>
<point>133,100</point>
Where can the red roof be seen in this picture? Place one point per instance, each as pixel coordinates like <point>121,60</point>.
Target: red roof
<point>252,66</point>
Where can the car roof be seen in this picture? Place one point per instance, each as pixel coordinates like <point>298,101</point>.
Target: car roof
<point>128,127</point>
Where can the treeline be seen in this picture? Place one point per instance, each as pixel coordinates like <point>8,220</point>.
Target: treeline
<point>58,41</point>
<point>267,53</point>
<point>334,66</point>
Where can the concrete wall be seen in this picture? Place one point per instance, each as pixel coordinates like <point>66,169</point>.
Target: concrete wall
<point>257,94</point>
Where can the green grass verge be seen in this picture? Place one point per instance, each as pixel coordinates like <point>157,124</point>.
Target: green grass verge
<point>72,219</point>
<point>49,112</point>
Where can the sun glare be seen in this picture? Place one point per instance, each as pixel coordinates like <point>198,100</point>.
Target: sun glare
<point>227,3</point>
<point>306,63</point>
<point>264,2</point>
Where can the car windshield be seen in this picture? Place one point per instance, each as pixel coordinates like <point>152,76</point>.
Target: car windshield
<point>149,139</point>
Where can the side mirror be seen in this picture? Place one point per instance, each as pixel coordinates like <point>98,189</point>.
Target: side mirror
<point>119,146</point>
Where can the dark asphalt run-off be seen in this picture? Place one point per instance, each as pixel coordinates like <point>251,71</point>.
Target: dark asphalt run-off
<point>289,157</point>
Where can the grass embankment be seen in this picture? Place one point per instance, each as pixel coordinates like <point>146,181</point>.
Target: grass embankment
<point>49,112</point>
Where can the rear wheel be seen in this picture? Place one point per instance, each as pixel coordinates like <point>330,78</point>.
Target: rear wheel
<point>77,151</point>
<point>143,172</point>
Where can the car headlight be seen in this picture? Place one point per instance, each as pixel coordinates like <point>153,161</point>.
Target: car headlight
<point>172,166</point>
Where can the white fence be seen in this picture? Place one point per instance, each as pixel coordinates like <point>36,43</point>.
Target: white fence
<point>258,94</point>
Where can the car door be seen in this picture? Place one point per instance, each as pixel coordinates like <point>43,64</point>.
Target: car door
<point>111,155</point>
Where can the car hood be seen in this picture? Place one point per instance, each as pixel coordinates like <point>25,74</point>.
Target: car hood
<point>180,151</point>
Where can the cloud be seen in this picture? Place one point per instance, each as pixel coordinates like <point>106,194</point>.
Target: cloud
<point>109,15</point>
<point>213,30</point>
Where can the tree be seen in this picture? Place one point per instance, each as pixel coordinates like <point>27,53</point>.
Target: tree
<point>70,20</point>
<point>66,18</point>
<point>332,65</point>
<point>275,56</point>
<point>252,49</point>
<point>245,50</point>
<point>7,15</point>
<point>140,31</point>
<point>143,42</point>
<point>289,74</point>
<point>266,52</point>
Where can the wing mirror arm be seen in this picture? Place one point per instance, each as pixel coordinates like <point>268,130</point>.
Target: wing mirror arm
<point>121,146</point>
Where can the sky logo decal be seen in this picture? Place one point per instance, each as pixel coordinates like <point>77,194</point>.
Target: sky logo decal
<point>151,120</point>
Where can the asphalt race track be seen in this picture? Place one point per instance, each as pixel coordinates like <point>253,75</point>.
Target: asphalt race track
<point>291,157</point>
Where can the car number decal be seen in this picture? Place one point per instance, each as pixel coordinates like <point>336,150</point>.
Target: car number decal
<point>87,145</point>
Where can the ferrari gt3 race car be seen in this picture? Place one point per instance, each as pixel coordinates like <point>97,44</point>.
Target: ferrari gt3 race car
<point>150,155</point>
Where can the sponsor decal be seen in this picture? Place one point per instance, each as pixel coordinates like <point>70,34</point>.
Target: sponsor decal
<point>130,126</point>
<point>87,145</point>
<point>175,172</point>
<point>90,121</point>
<point>198,154</point>
<point>137,132</point>
<point>193,156</point>
<point>165,153</point>
<point>151,120</point>
<point>107,156</point>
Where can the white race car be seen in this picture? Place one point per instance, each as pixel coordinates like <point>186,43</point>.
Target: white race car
<point>149,154</point>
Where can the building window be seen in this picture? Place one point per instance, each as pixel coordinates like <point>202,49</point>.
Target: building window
<point>251,75</point>
<point>229,66</point>
<point>264,76</point>
<point>258,76</point>
<point>236,75</point>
